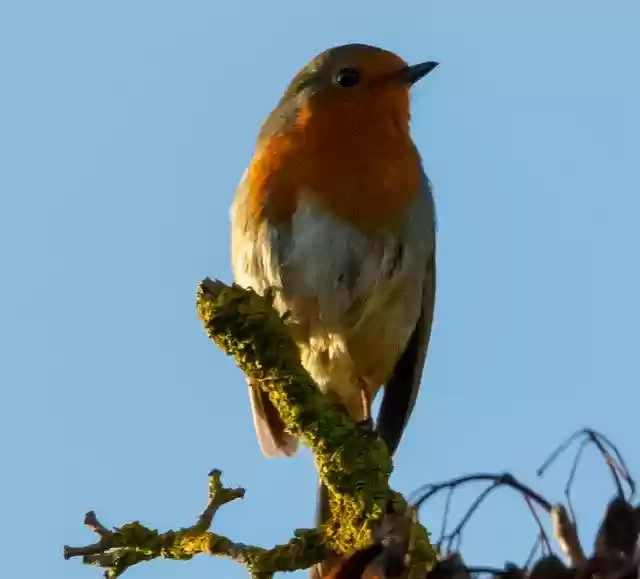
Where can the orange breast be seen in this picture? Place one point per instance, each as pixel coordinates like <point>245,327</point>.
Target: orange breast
<point>356,158</point>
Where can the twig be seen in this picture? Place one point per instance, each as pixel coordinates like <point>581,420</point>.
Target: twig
<point>496,480</point>
<point>534,551</point>
<point>572,475</point>
<point>544,540</point>
<point>218,496</point>
<point>626,473</point>
<point>504,479</point>
<point>445,515</point>
<point>457,532</point>
<point>133,543</point>
<point>616,465</point>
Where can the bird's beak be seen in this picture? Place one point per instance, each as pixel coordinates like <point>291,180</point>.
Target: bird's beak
<point>412,74</point>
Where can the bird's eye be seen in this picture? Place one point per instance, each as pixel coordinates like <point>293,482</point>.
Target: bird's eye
<point>348,77</point>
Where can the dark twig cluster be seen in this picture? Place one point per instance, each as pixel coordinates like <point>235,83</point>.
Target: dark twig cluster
<point>449,542</point>
<point>615,554</point>
<point>611,455</point>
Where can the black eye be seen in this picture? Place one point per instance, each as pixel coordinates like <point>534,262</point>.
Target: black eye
<point>348,77</point>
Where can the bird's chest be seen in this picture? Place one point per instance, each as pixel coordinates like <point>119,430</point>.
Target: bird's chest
<point>352,299</point>
<point>326,273</point>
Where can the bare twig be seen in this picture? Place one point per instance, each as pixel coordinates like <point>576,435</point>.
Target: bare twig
<point>504,479</point>
<point>445,515</point>
<point>456,534</point>
<point>496,480</point>
<point>544,539</point>
<point>626,473</point>
<point>616,464</point>
<point>572,475</point>
<point>534,551</point>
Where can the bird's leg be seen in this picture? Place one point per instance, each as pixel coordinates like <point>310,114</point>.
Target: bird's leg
<point>366,423</point>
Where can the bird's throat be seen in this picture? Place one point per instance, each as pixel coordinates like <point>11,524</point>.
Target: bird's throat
<point>363,169</point>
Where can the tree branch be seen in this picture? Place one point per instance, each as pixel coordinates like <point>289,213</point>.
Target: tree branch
<point>134,543</point>
<point>354,467</point>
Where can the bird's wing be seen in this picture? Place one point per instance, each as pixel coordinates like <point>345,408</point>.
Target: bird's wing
<point>401,389</point>
<point>251,255</point>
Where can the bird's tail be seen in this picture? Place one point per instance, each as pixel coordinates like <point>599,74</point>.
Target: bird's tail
<point>272,437</point>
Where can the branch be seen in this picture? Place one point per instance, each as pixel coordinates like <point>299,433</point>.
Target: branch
<point>354,467</point>
<point>453,539</point>
<point>615,462</point>
<point>133,543</point>
<point>504,479</point>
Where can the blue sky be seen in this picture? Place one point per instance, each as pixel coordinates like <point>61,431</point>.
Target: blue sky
<point>124,128</point>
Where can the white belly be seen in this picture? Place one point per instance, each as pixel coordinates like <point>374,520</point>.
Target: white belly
<point>353,301</point>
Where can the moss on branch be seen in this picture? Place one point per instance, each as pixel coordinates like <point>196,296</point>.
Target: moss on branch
<point>133,543</point>
<point>354,467</point>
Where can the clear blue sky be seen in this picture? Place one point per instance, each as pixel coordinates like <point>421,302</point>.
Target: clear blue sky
<point>124,128</point>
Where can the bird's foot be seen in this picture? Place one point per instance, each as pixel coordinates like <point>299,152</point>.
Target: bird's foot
<point>366,424</point>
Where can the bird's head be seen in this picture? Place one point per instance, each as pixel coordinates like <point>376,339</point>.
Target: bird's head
<point>352,81</point>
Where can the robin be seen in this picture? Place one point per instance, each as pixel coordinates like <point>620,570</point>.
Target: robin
<point>335,214</point>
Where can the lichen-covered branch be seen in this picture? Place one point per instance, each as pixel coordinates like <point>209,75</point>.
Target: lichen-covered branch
<point>354,467</point>
<point>133,543</point>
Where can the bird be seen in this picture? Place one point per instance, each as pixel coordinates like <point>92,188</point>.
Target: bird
<point>335,217</point>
